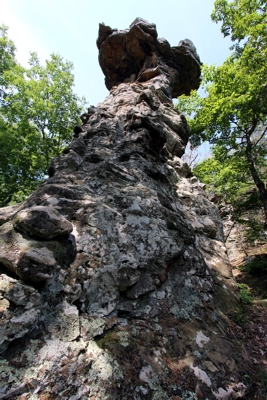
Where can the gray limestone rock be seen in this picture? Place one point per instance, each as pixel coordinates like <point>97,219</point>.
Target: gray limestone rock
<point>20,308</point>
<point>43,222</point>
<point>36,264</point>
<point>115,282</point>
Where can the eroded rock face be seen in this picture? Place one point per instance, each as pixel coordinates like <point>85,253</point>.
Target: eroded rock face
<point>20,308</point>
<point>42,222</point>
<point>124,281</point>
<point>137,54</point>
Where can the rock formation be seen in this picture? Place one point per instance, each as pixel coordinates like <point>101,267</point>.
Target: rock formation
<point>114,277</point>
<point>137,54</point>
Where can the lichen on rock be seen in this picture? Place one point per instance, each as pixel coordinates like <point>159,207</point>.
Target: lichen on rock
<point>115,281</point>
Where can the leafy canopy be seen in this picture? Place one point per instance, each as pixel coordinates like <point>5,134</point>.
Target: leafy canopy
<point>226,176</point>
<point>38,111</point>
<point>233,112</point>
<point>7,52</point>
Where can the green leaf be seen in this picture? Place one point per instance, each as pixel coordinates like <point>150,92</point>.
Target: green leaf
<point>232,112</point>
<point>38,111</point>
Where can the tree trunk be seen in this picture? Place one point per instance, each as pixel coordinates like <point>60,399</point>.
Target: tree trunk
<point>254,173</point>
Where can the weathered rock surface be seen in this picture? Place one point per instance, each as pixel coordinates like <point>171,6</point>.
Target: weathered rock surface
<point>42,222</point>
<point>137,54</point>
<point>20,308</point>
<point>241,241</point>
<point>115,281</point>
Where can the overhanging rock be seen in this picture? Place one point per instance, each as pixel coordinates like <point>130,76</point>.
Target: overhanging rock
<point>137,54</point>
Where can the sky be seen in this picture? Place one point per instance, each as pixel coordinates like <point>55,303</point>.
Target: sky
<point>70,28</point>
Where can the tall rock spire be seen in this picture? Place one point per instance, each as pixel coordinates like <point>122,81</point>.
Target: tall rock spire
<point>114,277</point>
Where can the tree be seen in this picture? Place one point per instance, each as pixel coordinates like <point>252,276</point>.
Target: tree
<point>37,114</point>
<point>233,113</point>
<point>7,54</point>
<point>227,176</point>
<point>191,155</point>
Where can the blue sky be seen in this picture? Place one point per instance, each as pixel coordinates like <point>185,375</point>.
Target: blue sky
<point>70,28</point>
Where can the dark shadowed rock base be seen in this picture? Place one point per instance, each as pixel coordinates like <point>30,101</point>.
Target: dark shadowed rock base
<point>114,276</point>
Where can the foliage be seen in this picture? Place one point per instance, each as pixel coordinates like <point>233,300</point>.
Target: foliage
<point>225,175</point>
<point>233,112</point>
<point>37,114</point>
<point>239,315</point>
<point>254,231</point>
<point>244,293</point>
<point>242,19</point>
<point>7,52</point>
<point>255,265</point>
<point>229,179</point>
